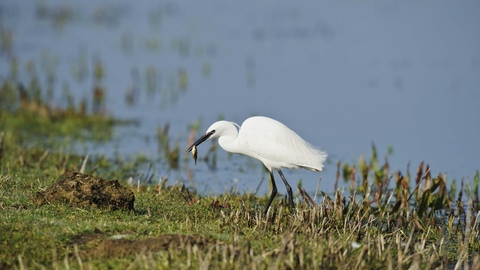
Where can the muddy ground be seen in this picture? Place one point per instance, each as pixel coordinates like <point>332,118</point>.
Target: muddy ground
<point>84,190</point>
<point>100,245</point>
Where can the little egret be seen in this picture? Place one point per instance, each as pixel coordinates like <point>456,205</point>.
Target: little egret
<point>269,141</point>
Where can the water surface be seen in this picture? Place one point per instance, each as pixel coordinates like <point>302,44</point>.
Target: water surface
<point>341,74</point>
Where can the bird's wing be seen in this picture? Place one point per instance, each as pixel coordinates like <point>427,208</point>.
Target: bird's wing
<point>262,145</point>
<point>278,146</point>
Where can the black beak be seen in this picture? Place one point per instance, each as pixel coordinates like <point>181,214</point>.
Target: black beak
<point>200,140</point>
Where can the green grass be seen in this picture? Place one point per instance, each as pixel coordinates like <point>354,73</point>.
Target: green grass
<point>237,235</point>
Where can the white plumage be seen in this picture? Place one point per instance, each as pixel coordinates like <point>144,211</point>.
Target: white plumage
<point>269,141</point>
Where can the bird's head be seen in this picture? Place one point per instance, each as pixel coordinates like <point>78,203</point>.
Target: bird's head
<point>217,129</point>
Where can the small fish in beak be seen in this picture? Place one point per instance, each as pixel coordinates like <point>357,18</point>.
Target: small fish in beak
<point>194,153</point>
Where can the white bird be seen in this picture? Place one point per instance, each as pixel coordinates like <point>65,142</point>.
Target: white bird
<point>269,141</point>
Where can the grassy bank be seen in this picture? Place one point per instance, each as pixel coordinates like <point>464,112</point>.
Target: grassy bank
<point>385,220</point>
<point>172,228</point>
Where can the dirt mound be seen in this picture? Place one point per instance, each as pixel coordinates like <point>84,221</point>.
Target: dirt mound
<point>112,248</point>
<point>89,239</point>
<point>84,190</point>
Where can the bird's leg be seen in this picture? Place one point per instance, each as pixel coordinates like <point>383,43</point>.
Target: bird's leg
<point>272,195</point>
<point>289,189</point>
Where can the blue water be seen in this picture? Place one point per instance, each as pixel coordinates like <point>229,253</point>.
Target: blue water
<point>342,74</point>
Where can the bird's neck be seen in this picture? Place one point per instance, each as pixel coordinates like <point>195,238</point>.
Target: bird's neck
<point>229,143</point>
